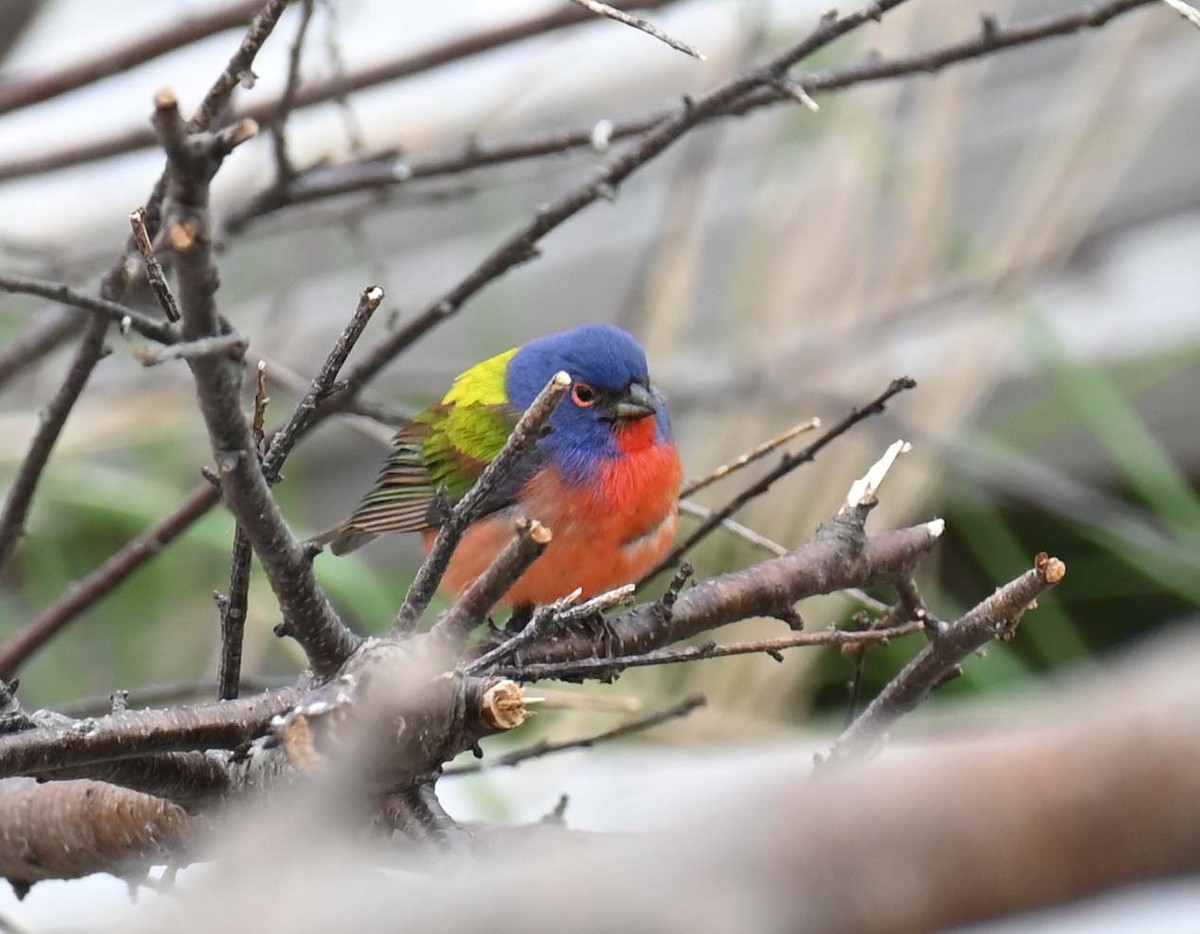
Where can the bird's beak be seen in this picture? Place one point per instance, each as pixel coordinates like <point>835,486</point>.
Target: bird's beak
<point>637,402</point>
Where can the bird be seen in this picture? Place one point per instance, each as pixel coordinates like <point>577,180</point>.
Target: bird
<point>604,476</point>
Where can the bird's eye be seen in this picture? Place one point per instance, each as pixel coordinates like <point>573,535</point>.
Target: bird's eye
<point>584,395</point>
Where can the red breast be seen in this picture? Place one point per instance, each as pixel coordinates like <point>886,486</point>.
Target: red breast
<point>606,533</point>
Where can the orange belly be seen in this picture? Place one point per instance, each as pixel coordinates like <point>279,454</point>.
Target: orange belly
<point>605,534</point>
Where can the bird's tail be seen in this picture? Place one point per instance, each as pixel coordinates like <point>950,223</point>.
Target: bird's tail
<point>343,538</point>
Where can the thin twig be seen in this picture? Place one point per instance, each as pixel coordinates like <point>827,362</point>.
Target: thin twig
<point>225,345</point>
<point>53,418</point>
<point>102,581</point>
<point>264,112</point>
<point>521,245</point>
<point>302,419</point>
<point>787,464</point>
<point>536,671</point>
<point>549,617</point>
<point>109,310</point>
<point>611,12</point>
<point>284,170</point>
<point>994,618</point>
<point>117,59</point>
<point>693,487</point>
<point>124,562</point>
<point>161,695</point>
<point>236,602</point>
<point>375,173</point>
<point>154,270</point>
<point>518,445</point>
<point>548,748</point>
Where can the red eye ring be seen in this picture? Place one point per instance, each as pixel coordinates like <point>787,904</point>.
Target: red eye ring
<point>583,395</point>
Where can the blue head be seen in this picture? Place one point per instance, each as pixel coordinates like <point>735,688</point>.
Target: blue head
<point>611,393</point>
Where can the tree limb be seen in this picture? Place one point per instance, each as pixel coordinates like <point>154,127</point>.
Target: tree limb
<point>994,618</point>
<point>309,617</point>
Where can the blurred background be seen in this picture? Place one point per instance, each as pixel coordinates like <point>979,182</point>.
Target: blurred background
<point>1019,234</point>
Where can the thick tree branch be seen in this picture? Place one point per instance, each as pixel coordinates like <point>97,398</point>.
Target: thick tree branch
<point>824,565</point>
<point>192,780</point>
<point>64,830</point>
<point>133,733</point>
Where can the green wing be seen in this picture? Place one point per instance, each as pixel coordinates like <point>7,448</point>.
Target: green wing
<point>447,447</point>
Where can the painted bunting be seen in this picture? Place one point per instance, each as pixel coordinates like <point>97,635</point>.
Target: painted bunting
<point>605,476</point>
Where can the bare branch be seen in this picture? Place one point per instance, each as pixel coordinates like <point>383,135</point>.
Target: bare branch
<point>518,247</point>
<point>547,618</point>
<point>89,591</point>
<point>787,464</point>
<point>602,667</point>
<point>284,170</point>
<point>465,511</point>
<point>332,181</point>
<point>154,270</point>
<point>238,70</point>
<point>223,345</point>
<point>265,112</point>
<point>309,617</point>
<point>322,385</point>
<point>224,725</point>
<point>611,12</point>
<point>64,830</point>
<point>823,565</point>
<point>109,310</point>
<point>192,28</point>
<point>994,618</point>
<point>547,748</point>
<point>199,501</point>
<point>53,418</point>
<point>750,457</point>
<point>530,539</point>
